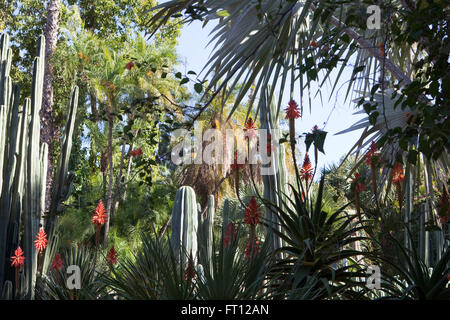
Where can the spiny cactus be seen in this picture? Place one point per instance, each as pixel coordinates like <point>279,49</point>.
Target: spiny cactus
<point>184,225</point>
<point>23,171</point>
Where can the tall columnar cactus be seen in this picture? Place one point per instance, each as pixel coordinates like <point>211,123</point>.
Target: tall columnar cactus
<point>23,170</point>
<point>205,234</point>
<point>63,179</point>
<point>275,184</point>
<point>184,225</point>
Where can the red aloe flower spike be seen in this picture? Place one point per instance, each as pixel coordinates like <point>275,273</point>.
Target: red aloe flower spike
<point>397,179</point>
<point>397,173</point>
<point>252,248</point>
<point>129,65</point>
<point>58,262</point>
<point>251,128</point>
<point>99,217</point>
<point>189,274</point>
<point>252,213</point>
<point>112,255</point>
<point>382,50</point>
<point>17,260</point>
<point>292,111</point>
<point>135,153</point>
<point>41,241</point>
<point>230,234</point>
<point>444,207</point>
<point>307,169</point>
<point>236,165</point>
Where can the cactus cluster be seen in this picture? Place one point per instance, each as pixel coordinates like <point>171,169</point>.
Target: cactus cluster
<point>23,172</point>
<point>191,232</point>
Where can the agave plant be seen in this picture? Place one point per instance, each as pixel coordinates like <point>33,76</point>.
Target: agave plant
<point>54,285</point>
<point>231,275</point>
<point>412,279</point>
<point>152,273</point>
<point>318,245</point>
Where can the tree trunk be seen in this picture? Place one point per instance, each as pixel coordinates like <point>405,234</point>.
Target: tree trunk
<point>118,186</point>
<point>47,125</point>
<point>111,175</point>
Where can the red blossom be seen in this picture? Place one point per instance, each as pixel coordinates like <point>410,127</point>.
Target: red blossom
<point>444,207</point>
<point>252,213</point>
<point>292,111</point>
<point>230,234</point>
<point>306,173</point>
<point>137,152</point>
<point>252,247</point>
<point>397,173</point>
<point>112,255</point>
<point>382,50</point>
<point>129,65</point>
<point>18,259</point>
<point>313,44</point>
<point>41,241</point>
<point>372,154</point>
<point>359,187</point>
<point>236,165</point>
<point>269,145</point>
<point>189,273</point>
<point>58,262</point>
<point>251,128</point>
<point>99,217</point>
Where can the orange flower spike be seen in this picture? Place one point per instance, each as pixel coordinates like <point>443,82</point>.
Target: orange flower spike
<point>99,217</point>
<point>292,113</point>
<point>58,262</point>
<point>382,50</point>
<point>397,173</point>
<point>189,273</point>
<point>41,241</point>
<point>230,234</point>
<point>307,170</point>
<point>252,213</point>
<point>17,260</point>
<point>444,207</point>
<point>251,128</point>
<point>397,179</point>
<point>252,248</point>
<point>111,257</point>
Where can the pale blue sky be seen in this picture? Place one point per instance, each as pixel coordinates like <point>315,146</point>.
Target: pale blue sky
<point>194,55</point>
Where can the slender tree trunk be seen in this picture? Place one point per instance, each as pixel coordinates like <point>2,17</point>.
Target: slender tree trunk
<point>127,175</point>
<point>111,175</point>
<point>118,186</point>
<point>47,123</point>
